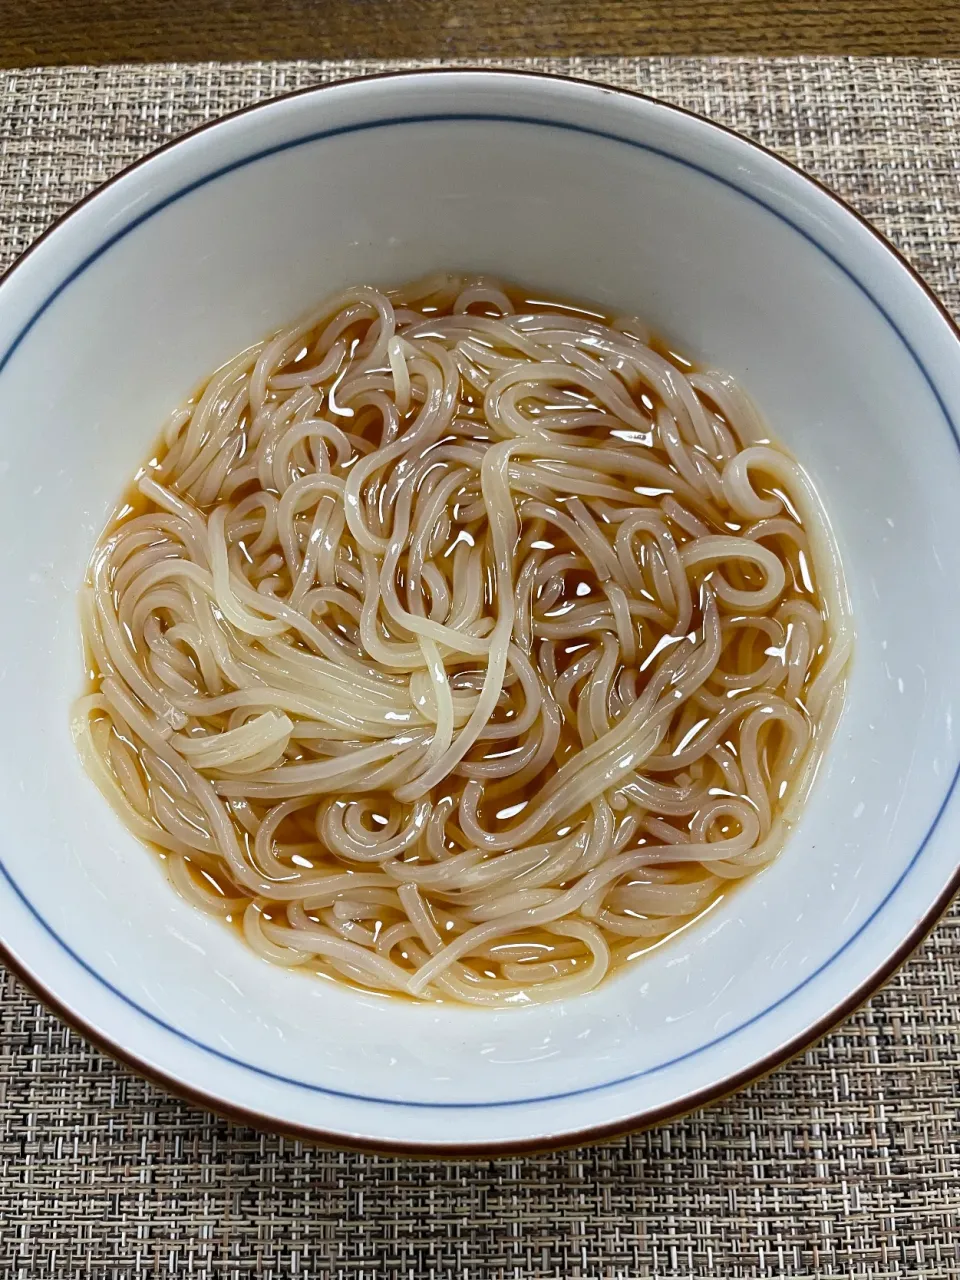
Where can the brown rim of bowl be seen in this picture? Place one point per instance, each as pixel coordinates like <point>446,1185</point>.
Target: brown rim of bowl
<point>592,1133</point>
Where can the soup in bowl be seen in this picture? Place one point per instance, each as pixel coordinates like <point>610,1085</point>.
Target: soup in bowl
<point>528,644</point>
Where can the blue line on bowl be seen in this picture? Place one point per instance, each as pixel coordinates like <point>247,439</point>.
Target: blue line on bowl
<point>497,118</point>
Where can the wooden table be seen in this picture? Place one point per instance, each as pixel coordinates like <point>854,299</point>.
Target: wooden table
<point>76,31</point>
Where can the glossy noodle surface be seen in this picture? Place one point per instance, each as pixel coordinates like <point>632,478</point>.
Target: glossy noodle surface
<point>462,645</point>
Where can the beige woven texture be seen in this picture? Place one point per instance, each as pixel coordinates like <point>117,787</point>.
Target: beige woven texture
<point>844,1163</point>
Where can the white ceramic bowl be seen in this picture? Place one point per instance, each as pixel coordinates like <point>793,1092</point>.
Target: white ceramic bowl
<point>110,320</point>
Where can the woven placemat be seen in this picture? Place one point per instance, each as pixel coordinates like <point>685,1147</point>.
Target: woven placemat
<point>844,1163</point>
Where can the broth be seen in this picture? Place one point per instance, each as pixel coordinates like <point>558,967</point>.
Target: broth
<point>237,641</point>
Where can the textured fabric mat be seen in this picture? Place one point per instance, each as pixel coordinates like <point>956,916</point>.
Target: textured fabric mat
<point>844,1163</point>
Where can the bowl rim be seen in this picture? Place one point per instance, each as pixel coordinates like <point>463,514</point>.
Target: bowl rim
<point>650,1116</point>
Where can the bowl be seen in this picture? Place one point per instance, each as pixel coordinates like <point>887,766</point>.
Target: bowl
<point>198,251</point>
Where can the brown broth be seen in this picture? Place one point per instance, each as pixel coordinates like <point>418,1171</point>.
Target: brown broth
<point>741,656</point>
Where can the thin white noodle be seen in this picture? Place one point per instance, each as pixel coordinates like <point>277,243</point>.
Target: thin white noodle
<point>460,647</point>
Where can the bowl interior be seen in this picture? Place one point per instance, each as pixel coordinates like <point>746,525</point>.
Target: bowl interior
<point>202,252</point>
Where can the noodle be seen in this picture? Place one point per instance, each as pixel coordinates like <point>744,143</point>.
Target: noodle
<point>462,648</point>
